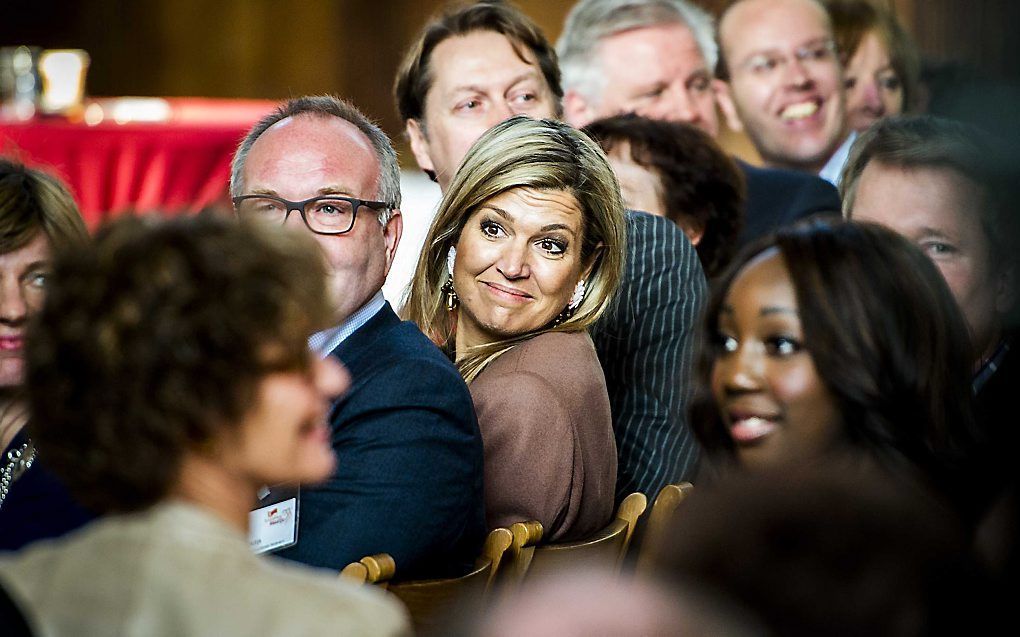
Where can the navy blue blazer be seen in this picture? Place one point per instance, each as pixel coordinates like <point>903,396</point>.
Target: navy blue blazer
<point>776,198</point>
<point>38,506</point>
<point>409,461</point>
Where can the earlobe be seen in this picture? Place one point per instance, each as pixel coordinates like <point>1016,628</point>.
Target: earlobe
<point>419,144</point>
<point>694,231</point>
<point>725,101</point>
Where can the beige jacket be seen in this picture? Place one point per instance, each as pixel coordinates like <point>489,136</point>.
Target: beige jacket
<point>178,570</point>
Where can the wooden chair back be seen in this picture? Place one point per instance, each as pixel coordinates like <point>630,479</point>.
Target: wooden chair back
<point>655,533</point>
<point>375,569</point>
<point>429,600</point>
<point>606,548</point>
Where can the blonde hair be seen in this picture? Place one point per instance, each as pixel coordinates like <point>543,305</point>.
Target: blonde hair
<point>523,153</point>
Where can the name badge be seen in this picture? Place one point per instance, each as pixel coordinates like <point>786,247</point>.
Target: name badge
<point>273,523</point>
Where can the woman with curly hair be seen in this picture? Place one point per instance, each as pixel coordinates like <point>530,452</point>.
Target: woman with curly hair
<point>169,379</point>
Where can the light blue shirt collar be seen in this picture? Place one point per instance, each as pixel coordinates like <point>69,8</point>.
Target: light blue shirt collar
<point>832,172</point>
<point>324,342</point>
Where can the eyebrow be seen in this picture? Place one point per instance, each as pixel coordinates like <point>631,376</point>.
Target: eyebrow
<point>325,190</point>
<point>774,50</point>
<point>546,228</point>
<point>41,263</point>
<point>776,309</point>
<point>765,311</point>
<point>530,74</point>
<point>927,231</point>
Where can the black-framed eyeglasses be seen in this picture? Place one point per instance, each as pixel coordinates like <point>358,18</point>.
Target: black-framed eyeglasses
<point>327,214</point>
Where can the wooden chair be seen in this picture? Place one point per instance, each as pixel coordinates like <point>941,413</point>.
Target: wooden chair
<point>607,547</point>
<point>375,569</point>
<point>429,600</point>
<point>655,532</point>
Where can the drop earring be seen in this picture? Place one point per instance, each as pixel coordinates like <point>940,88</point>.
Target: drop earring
<point>577,296</point>
<point>572,305</point>
<point>451,294</point>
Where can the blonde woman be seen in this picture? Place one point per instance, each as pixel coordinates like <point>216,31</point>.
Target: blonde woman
<point>523,257</point>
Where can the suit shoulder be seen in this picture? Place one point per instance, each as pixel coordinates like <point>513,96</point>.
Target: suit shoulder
<point>770,180</point>
<point>400,345</point>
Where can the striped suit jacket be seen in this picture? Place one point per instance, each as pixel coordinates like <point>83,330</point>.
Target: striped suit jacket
<point>646,346</point>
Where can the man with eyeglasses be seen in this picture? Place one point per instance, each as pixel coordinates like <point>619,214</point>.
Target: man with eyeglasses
<point>409,454</point>
<point>783,84</point>
<point>656,58</point>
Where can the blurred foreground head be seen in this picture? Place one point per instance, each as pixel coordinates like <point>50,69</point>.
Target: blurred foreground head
<point>830,552</point>
<point>831,337</point>
<point>157,341</point>
<point>590,602</point>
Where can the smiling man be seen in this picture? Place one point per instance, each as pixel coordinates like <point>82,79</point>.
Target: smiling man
<point>783,84</point>
<point>476,65</point>
<point>409,458</point>
<point>655,58</point>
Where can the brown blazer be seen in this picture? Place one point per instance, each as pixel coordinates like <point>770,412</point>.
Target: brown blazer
<point>547,431</point>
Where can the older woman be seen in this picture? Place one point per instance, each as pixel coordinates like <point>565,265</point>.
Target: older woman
<point>880,60</point>
<point>185,384</point>
<point>524,255</point>
<point>839,340</point>
<point>37,218</point>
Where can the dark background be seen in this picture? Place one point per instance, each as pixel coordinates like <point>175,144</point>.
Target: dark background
<point>277,49</point>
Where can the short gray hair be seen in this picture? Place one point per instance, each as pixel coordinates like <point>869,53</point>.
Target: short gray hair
<point>590,21</point>
<point>328,106</point>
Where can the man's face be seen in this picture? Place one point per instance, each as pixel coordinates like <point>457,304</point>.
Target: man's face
<point>308,156</point>
<point>478,80</point>
<point>785,81</point>
<point>937,209</point>
<point>655,71</point>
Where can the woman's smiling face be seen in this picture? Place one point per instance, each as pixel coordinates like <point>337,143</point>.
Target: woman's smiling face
<point>764,381</point>
<point>518,262</point>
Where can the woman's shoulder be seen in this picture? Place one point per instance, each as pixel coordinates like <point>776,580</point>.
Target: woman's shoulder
<point>550,351</point>
<point>542,368</point>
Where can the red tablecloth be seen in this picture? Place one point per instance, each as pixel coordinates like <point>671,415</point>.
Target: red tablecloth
<point>180,165</point>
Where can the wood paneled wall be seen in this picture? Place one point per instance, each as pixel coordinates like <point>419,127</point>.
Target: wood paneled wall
<point>275,48</point>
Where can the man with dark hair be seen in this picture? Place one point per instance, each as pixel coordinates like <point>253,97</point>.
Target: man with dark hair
<point>477,65</point>
<point>938,183</point>
<point>409,458</point>
<point>469,70</point>
<point>655,58</point>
